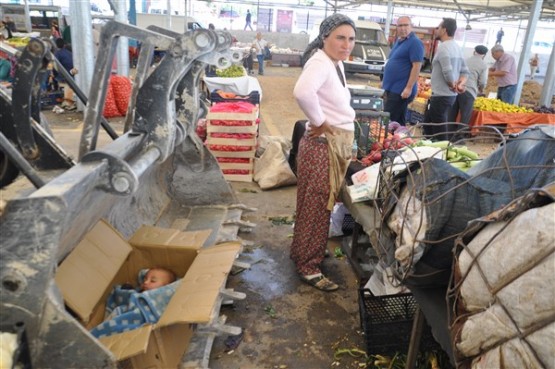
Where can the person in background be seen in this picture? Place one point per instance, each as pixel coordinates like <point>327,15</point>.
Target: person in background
<point>475,84</point>
<point>449,75</point>
<point>259,45</point>
<point>325,149</point>
<point>66,33</point>
<point>402,70</point>
<point>10,24</point>
<point>5,31</point>
<point>504,69</point>
<point>248,60</point>
<point>248,19</point>
<point>55,30</point>
<point>65,57</point>
<point>500,35</point>
<point>534,63</point>
<point>210,70</point>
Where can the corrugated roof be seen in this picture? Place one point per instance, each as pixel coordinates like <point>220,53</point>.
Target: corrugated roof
<point>475,10</point>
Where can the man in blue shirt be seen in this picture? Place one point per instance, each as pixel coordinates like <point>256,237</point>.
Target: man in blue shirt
<point>401,71</point>
<point>65,57</point>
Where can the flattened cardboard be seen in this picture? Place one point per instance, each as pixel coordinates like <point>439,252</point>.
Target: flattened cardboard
<point>90,267</point>
<point>194,299</point>
<point>128,344</point>
<point>166,347</point>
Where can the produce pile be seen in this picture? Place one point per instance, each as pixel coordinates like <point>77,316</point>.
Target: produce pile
<point>544,109</point>
<point>233,71</point>
<point>424,88</point>
<point>495,105</point>
<point>401,141</point>
<point>18,42</point>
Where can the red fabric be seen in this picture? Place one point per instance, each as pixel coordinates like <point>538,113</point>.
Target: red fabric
<point>312,220</point>
<point>233,107</point>
<point>515,121</point>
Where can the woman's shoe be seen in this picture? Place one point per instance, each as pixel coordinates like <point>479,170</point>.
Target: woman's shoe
<point>321,282</point>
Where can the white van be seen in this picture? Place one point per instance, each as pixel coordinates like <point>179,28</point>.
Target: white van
<point>177,21</point>
<point>371,49</point>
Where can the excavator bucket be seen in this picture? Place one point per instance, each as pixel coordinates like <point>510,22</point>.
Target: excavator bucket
<point>157,172</point>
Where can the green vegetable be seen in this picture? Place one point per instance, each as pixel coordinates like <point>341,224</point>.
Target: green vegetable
<point>439,144</point>
<point>465,152</point>
<point>231,72</point>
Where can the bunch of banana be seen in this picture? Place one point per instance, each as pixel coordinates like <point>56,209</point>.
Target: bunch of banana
<point>495,105</point>
<point>18,42</point>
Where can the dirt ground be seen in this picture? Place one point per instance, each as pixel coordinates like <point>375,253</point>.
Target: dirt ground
<point>286,324</point>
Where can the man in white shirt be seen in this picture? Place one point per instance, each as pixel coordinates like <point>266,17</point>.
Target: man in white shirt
<point>475,84</point>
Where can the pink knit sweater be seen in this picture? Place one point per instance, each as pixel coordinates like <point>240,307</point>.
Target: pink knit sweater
<point>321,95</point>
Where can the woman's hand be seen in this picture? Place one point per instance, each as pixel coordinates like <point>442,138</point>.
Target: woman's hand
<point>316,131</point>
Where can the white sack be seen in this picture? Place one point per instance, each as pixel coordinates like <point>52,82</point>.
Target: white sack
<point>272,170</point>
<point>518,264</point>
<point>408,221</point>
<point>514,354</point>
<point>526,240</point>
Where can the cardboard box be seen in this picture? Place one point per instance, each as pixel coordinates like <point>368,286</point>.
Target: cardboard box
<point>104,259</point>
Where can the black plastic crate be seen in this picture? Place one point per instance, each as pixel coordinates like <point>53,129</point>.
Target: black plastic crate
<point>348,224</point>
<point>253,98</point>
<point>367,103</point>
<point>414,117</point>
<point>387,323</point>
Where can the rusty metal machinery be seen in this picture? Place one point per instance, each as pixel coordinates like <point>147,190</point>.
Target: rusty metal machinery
<point>157,171</point>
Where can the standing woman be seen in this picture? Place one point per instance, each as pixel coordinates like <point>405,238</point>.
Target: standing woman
<point>55,30</point>
<point>325,150</point>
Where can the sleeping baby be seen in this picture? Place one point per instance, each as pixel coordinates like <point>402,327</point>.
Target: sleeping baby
<point>128,308</point>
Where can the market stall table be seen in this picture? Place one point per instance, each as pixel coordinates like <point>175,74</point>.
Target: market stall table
<point>239,85</point>
<point>290,59</point>
<point>514,122</point>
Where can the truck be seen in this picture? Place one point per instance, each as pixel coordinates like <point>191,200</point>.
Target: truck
<point>426,35</point>
<point>41,16</point>
<point>160,20</point>
<point>371,49</point>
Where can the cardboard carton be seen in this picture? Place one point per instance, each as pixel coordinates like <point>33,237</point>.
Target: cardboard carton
<point>104,259</point>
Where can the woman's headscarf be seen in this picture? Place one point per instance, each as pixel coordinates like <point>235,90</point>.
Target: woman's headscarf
<point>326,27</point>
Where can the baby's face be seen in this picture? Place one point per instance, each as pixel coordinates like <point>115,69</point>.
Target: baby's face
<point>155,278</point>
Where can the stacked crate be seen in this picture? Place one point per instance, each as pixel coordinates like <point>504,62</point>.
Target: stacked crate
<point>231,138</point>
